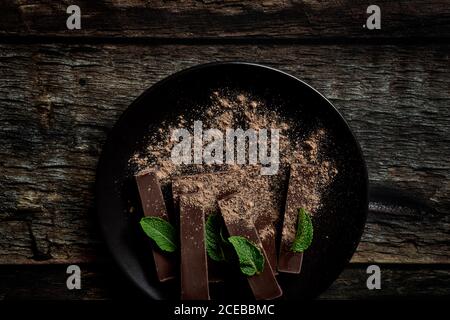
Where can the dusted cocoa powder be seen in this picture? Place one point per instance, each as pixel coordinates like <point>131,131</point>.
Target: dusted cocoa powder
<point>241,110</point>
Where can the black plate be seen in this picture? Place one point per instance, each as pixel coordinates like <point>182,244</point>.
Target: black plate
<point>338,230</point>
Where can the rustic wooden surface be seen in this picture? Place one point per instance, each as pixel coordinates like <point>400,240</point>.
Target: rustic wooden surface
<point>102,282</point>
<point>205,19</point>
<point>61,92</point>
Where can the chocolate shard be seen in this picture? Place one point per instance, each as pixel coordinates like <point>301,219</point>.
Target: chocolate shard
<point>301,179</point>
<point>194,270</point>
<point>265,205</point>
<point>235,212</point>
<point>153,205</point>
<point>216,272</point>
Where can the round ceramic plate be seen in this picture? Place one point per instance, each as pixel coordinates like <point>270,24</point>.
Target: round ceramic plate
<point>337,230</point>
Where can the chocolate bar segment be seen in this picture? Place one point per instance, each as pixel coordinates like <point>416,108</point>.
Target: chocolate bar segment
<point>263,199</point>
<point>194,270</point>
<point>307,186</point>
<point>302,183</point>
<point>235,210</point>
<point>153,206</point>
<point>216,271</point>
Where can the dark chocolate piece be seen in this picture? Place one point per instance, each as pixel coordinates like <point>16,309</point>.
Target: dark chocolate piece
<point>258,189</point>
<point>301,181</point>
<point>235,212</point>
<point>266,233</point>
<point>216,272</point>
<point>153,206</point>
<point>194,270</point>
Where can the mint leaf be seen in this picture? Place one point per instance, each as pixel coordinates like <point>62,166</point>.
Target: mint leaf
<point>304,235</point>
<point>222,235</point>
<point>214,239</point>
<point>160,231</point>
<point>251,259</point>
<point>217,246</point>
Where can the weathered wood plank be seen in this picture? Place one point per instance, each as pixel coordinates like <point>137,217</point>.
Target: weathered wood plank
<point>227,19</point>
<point>57,103</point>
<point>396,282</point>
<point>48,282</point>
<point>103,282</point>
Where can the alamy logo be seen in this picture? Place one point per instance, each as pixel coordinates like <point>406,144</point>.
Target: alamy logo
<point>374,280</point>
<point>374,20</point>
<point>74,280</point>
<point>211,147</point>
<point>74,20</point>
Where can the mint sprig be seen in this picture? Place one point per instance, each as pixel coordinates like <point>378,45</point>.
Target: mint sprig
<point>218,247</point>
<point>304,234</point>
<point>251,259</point>
<point>161,232</point>
<point>221,249</point>
<point>214,241</point>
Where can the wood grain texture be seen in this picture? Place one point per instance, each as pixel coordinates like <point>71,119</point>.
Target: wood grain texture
<point>303,19</point>
<point>105,282</point>
<point>58,102</point>
<point>397,281</point>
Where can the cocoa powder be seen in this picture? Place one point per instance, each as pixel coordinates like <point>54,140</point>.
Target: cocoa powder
<point>240,110</point>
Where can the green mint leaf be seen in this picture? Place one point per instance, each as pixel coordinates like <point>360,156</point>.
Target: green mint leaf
<point>251,259</point>
<point>304,234</point>
<point>222,234</point>
<point>217,246</point>
<point>214,240</point>
<point>161,232</point>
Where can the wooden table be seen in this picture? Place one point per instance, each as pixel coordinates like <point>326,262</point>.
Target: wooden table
<point>62,90</point>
